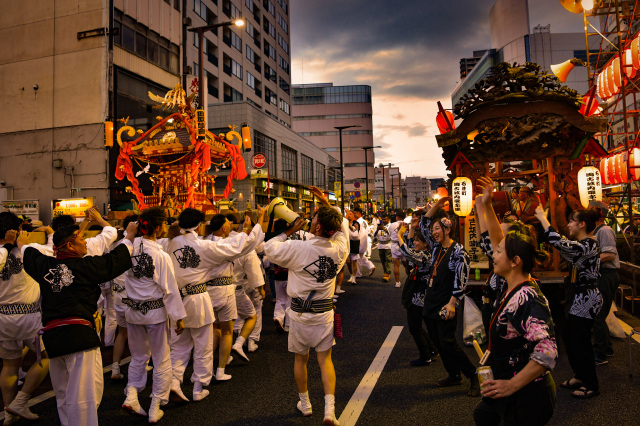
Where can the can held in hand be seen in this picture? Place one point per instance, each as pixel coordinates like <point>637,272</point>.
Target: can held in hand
<point>443,313</point>
<point>484,373</point>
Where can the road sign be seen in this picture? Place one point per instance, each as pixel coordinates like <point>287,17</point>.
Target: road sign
<point>258,174</point>
<point>337,187</point>
<point>258,161</point>
<point>356,184</point>
<point>357,194</point>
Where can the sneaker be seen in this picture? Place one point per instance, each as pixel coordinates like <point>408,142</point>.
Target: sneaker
<point>176,389</point>
<point>238,349</point>
<point>386,277</point>
<point>198,393</point>
<point>20,407</point>
<point>221,376</point>
<point>339,290</point>
<point>600,360</point>
<point>252,346</point>
<point>474,386</point>
<point>131,404</point>
<point>305,410</point>
<point>449,381</point>
<point>420,362</point>
<point>398,285</point>
<point>155,413</point>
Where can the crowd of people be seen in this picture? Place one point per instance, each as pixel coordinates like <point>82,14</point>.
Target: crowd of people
<point>177,293</point>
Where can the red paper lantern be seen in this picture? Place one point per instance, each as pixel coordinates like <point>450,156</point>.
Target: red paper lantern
<point>600,87</point>
<point>442,122</point>
<point>611,84</point>
<point>617,74</point>
<point>617,168</point>
<point>611,165</point>
<point>627,61</point>
<point>634,160</point>
<point>624,171</point>
<point>593,108</point>
<point>603,171</point>
<point>635,53</point>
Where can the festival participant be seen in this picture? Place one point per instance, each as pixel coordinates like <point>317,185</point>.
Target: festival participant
<point>209,262</point>
<point>444,292</point>
<point>20,320</point>
<point>96,246</point>
<point>607,283</point>
<point>384,246</point>
<point>119,293</point>
<point>584,300</point>
<point>152,296</point>
<point>396,254</point>
<point>365,245</point>
<point>69,285</point>
<point>522,347</point>
<point>354,247</point>
<point>313,266</point>
<point>247,277</point>
<point>526,205</point>
<point>413,293</point>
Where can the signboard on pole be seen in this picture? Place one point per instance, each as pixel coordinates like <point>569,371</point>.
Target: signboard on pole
<point>337,187</point>
<point>258,174</point>
<point>258,161</point>
<point>357,194</point>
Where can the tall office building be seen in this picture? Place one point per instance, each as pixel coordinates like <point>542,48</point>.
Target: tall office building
<point>319,108</point>
<point>249,63</point>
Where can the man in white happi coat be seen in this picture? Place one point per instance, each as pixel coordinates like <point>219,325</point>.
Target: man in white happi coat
<point>313,266</point>
<point>210,263</point>
<point>20,320</point>
<point>152,296</point>
<point>365,246</point>
<point>396,253</point>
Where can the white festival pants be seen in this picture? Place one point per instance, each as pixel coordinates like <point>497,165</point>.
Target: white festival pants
<point>201,341</point>
<point>109,318</point>
<point>78,383</point>
<point>283,301</point>
<point>257,301</point>
<point>364,262</point>
<point>145,340</point>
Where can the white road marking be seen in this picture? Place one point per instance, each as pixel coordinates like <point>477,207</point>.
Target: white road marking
<point>357,402</point>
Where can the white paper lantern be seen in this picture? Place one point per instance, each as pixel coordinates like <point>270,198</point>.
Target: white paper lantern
<point>462,196</point>
<point>589,185</point>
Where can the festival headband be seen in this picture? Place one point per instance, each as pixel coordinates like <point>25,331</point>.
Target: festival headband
<point>70,252</point>
<point>185,230</point>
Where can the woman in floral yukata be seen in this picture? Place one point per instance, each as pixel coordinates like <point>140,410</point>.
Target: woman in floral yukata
<point>584,300</point>
<point>522,348</point>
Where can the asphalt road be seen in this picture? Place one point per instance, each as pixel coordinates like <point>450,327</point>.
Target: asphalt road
<point>263,392</point>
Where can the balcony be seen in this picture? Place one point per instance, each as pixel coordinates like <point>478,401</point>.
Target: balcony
<point>213,90</point>
<point>226,9</point>
<point>258,67</point>
<point>227,98</point>
<point>213,59</point>
<point>227,69</point>
<point>258,92</point>
<point>256,16</point>
<point>256,41</point>
<point>227,40</point>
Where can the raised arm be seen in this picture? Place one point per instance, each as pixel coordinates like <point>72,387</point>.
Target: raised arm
<point>490,219</point>
<point>319,195</point>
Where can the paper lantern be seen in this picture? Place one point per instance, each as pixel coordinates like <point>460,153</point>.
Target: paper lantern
<point>635,53</point>
<point>603,171</point>
<point>617,74</point>
<point>442,122</point>
<point>634,160</point>
<point>627,61</point>
<point>611,84</point>
<point>462,196</point>
<point>618,168</point>
<point>611,168</point>
<point>589,185</point>
<point>593,108</point>
<point>442,192</point>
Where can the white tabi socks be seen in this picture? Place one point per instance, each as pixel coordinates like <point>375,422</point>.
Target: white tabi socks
<point>330,411</point>
<point>304,405</point>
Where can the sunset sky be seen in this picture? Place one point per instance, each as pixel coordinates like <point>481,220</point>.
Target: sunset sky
<point>408,51</point>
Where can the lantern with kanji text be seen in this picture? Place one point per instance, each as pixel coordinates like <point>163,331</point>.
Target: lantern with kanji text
<point>589,185</point>
<point>462,196</point>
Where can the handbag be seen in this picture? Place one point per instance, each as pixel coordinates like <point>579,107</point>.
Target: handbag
<point>408,288</point>
<point>354,246</point>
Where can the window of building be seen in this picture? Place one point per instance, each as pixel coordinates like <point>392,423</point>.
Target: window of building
<point>266,145</point>
<point>270,96</point>
<point>269,73</point>
<point>284,84</point>
<point>236,69</point>
<point>236,41</point>
<point>234,12</point>
<point>283,5</point>
<point>283,64</point>
<point>356,164</point>
<point>308,95</point>
<point>330,117</point>
<point>268,4</point>
<point>251,55</point>
<point>200,9</point>
<point>269,28</point>
<point>251,80</point>
<point>231,94</point>
<point>335,133</point>
<point>196,69</point>
<point>283,23</point>
<point>272,115</point>
<point>283,43</point>
<point>249,4</point>
<point>251,30</point>
<point>320,172</point>
<point>269,51</point>
<point>307,169</point>
<point>145,43</point>
<point>284,106</point>
<point>289,163</point>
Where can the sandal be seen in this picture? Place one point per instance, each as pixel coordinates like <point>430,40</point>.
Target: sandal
<point>571,384</point>
<point>584,393</point>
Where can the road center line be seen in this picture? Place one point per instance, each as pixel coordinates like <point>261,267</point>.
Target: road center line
<point>354,407</point>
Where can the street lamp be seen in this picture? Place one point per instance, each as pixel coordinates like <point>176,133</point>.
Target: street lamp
<point>366,172</point>
<point>340,129</point>
<point>384,189</point>
<point>200,31</point>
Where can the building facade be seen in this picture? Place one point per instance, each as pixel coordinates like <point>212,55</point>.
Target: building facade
<point>319,108</point>
<point>418,191</point>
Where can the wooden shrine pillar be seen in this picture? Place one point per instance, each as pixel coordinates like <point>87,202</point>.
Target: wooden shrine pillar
<point>552,207</point>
